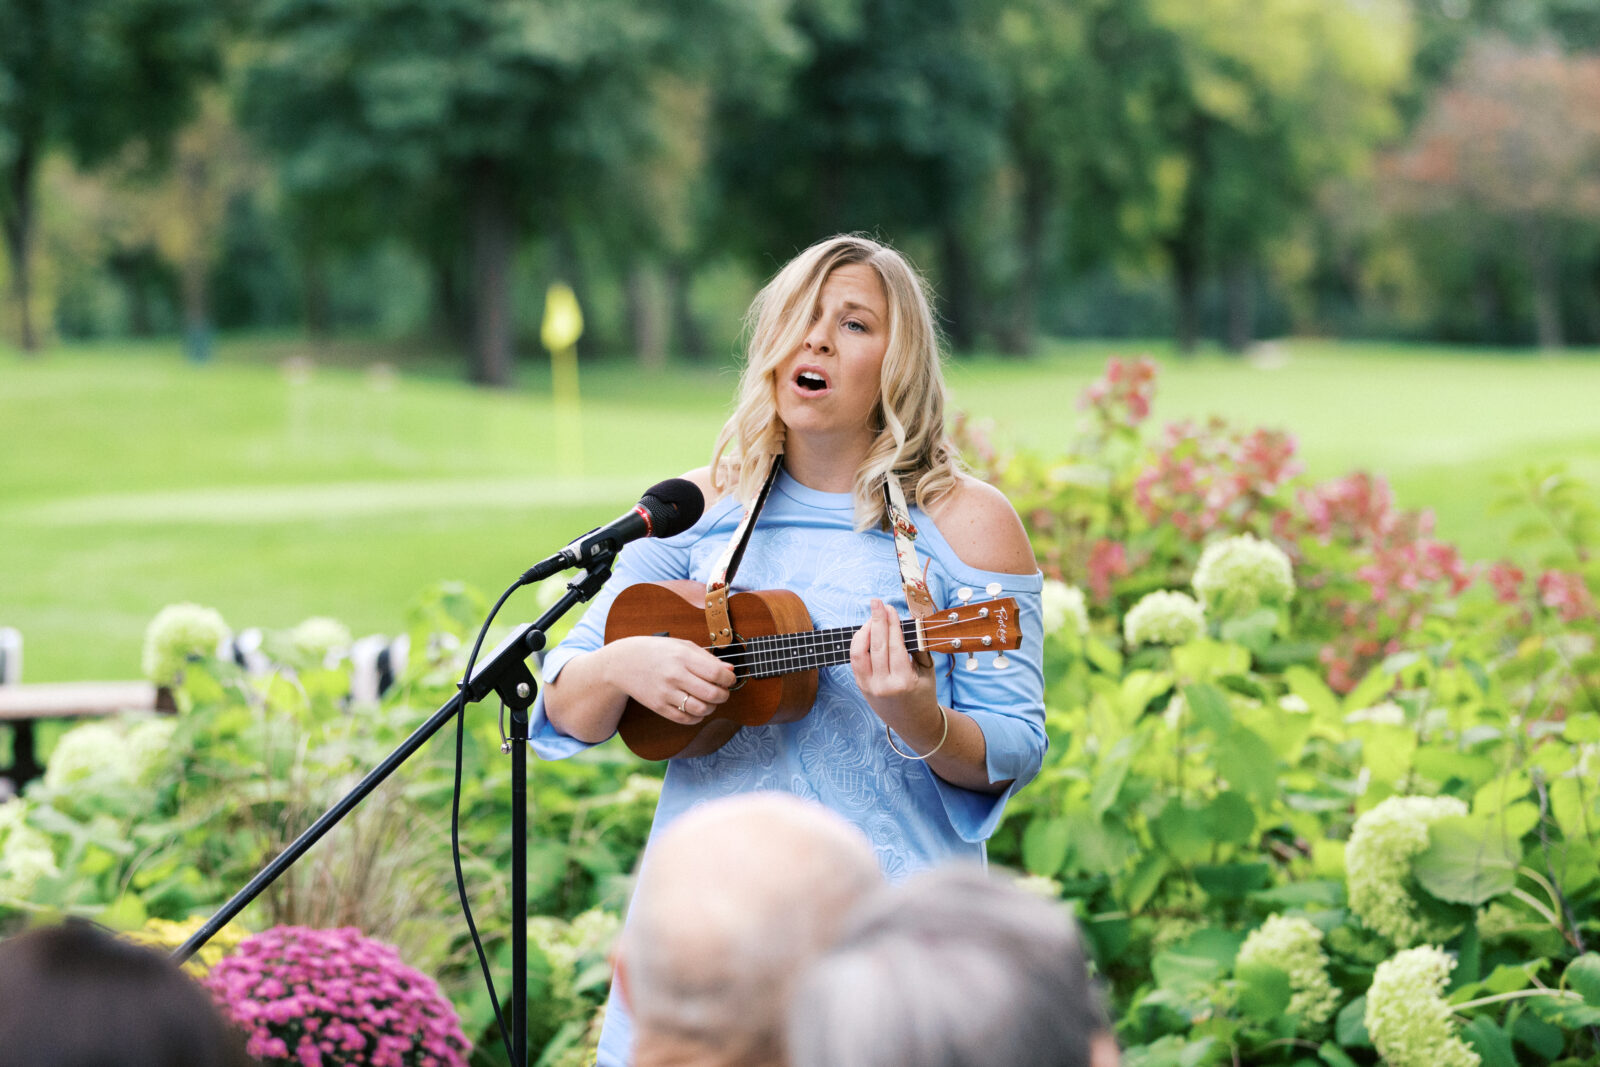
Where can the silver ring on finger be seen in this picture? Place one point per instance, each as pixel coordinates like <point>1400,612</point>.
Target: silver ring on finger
<point>683,705</point>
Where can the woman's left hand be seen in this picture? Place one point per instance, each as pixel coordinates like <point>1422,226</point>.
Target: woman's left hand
<point>898,688</point>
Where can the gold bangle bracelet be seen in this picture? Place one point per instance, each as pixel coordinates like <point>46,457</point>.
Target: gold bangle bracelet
<point>943,714</point>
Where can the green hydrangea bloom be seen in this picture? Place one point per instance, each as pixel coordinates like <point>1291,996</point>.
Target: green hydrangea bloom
<point>1407,1015</point>
<point>1378,867</point>
<point>1064,605</point>
<point>25,853</point>
<point>317,636</point>
<point>1237,575</point>
<point>1164,618</point>
<point>120,752</point>
<point>1294,946</point>
<point>178,632</point>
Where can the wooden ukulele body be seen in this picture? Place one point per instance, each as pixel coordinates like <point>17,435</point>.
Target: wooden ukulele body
<point>677,609</point>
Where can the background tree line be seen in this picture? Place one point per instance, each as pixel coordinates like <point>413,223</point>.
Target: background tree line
<point>422,168</point>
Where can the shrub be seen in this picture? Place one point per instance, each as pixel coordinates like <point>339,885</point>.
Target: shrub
<point>306,997</point>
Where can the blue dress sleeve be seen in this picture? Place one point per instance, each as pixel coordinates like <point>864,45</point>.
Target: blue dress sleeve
<point>1008,705</point>
<point>647,560</point>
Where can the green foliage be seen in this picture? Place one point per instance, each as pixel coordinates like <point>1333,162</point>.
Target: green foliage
<point>127,831</point>
<point>1197,794</point>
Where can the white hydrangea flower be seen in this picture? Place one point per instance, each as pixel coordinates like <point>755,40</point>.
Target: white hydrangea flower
<point>1378,867</point>
<point>1294,946</point>
<point>83,751</point>
<point>1063,604</point>
<point>318,636</point>
<point>177,633</point>
<point>1237,575</point>
<point>1407,1015</point>
<point>128,753</point>
<point>1164,618</point>
<point>25,853</point>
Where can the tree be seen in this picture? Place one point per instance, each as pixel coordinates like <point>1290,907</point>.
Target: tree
<point>1515,137</point>
<point>89,76</point>
<point>892,126</point>
<point>465,121</point>
<point>1270,99</point>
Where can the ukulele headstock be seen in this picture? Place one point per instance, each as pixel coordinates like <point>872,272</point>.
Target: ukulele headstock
<point>970,628</point>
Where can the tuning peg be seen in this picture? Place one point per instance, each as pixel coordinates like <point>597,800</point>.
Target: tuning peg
<point>963,594</point>
<point>993,589</point>
<point>972,661</point>
<point>1000,661</point>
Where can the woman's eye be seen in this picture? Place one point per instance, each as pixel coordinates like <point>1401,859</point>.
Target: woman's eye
<point>855,327</point>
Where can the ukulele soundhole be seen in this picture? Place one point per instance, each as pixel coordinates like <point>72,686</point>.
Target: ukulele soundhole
<point>734,655</point>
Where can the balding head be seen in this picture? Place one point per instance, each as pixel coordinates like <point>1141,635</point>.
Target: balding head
<point>734,897</point>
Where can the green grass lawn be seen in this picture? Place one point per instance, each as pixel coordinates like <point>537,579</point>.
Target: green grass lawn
<point>130,479</point>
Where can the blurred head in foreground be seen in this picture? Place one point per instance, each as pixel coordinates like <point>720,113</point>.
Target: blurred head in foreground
<point>733,899</point>
<point>76,996</point>
<point>954,968</point>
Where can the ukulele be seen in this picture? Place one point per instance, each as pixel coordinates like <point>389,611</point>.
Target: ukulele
<point>775,654</point>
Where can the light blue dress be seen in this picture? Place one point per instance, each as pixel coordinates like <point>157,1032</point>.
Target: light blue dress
<point>805,541</point>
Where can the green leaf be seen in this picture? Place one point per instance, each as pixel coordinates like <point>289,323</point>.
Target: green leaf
<point>1467,861</point>
<point>1044,846</point>
<point>1109,776</point>
<point>1180,973</point>
<point>1183,831</point>
<point>1501,793</point>
<point>1210,707</point>
<point>1443,764</point>
<point>1334,1056</point>
<point>1248,764</point>
<point>1351,1025</point>
<point>1263,991</point>
<point>1369,690</point>
<point>1572,808</point>
<point>1139,688</point>
<point>1254,631</point>
<point>1205,659</point>
<point>1579,865</point>
<point>1583,977</point>
<point>1490,1042</point>
<point>1308,685</point>
<point>1145,879</point>
<point>1567,1014</point>
<point>1107,659</point>
<point>1538,1036</point>
<point>1232,881</point>
<point>1230,819</point>
<point>1582,728</point>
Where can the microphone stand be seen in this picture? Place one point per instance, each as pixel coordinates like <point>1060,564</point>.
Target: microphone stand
<point>505,672</point>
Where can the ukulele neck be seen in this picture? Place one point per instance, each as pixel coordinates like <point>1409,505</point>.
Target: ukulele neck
<point>777,654</point>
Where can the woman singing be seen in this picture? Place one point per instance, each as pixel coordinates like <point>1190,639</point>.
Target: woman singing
<point>842,392</point>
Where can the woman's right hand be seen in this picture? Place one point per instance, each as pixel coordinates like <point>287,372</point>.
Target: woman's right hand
<point>674,678</point>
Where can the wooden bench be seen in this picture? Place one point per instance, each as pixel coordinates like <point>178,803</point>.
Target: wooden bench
<point>23,705</point>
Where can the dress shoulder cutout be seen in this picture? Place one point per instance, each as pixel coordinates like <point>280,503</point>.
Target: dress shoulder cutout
<point>983,529</point>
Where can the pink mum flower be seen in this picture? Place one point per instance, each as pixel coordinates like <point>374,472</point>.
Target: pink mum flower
<point>308,997</point>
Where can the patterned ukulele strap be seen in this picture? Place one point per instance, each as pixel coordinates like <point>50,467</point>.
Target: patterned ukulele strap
<point>717,620</point>
<point>918,600</point>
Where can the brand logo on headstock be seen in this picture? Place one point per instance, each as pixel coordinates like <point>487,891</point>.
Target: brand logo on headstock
<point>1000,627</point>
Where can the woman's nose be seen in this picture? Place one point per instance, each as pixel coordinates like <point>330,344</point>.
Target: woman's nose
<point>817,339</point>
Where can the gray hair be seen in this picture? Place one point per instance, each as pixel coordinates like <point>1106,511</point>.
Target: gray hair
<point>735,898</point>
<point>954,968</point>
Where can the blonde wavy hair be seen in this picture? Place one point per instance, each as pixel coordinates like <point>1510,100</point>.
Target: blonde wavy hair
<point>911,443</point>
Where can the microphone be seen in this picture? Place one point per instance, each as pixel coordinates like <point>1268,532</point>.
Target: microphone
<point>666,509</point>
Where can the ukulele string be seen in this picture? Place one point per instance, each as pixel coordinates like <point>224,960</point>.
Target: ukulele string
<point>772,646</point>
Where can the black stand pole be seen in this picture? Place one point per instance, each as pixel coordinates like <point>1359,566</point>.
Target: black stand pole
<point>505,672</point>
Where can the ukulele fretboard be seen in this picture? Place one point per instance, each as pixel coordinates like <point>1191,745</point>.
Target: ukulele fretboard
<point>777,654</point>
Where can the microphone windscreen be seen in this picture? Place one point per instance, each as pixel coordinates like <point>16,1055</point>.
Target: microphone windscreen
<point>674,505</point>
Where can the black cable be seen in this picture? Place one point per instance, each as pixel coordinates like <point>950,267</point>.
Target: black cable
<point>455,825</point>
